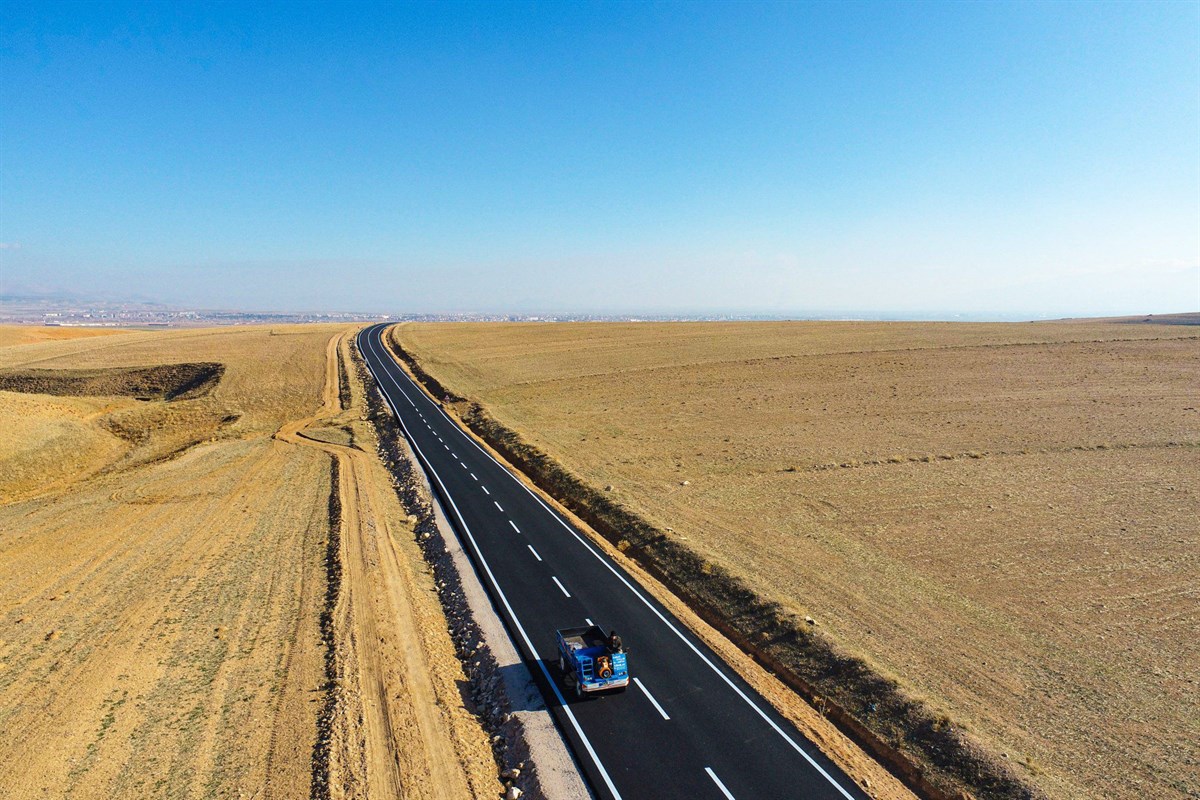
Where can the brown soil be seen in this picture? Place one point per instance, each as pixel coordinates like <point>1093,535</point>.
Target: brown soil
<point>397,724</point>
<point>995,519</point>
<point>164,586</point>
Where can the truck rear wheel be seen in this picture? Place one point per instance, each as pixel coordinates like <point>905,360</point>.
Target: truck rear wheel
<point>578,688</point>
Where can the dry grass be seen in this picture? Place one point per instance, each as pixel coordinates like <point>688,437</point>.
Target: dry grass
<point>1000,516</point>
<point>26,334</point>
<point>164,577</point>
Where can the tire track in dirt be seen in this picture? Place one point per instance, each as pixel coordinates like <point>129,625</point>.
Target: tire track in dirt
<point>401,729</point>
<point>147,615</point>
<point>129,646</point>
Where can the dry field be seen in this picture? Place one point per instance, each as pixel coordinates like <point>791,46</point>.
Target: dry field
<point>167,627</point>
<point>1000,516</point>
<point>25,334</point>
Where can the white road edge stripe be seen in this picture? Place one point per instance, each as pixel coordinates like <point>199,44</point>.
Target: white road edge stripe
<point>503,598</point>
<point>795,746</point>
<point>559,583</point>
<point>535,555</point>
<point>720,785</point>
<point>650,697</point>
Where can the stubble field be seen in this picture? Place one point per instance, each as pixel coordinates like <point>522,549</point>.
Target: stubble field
<point>172,623</point>
<point>1002,517</point>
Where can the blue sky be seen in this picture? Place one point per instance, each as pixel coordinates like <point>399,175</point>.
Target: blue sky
<point>830,158</point>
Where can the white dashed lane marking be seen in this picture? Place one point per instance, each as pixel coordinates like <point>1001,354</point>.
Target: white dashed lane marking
<point>559,583</point>
<point>728,794</point>
<point>535,553</point>
<point>650,697</point>
<point>634,590</point>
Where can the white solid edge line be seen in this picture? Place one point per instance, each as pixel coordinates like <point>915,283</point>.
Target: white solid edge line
<point>515,528</point>
<point>650,697</point>
<point>795,746</point>
<point>720,785</point>
<point>560,586</point>
<point>503,598</point>
<point>535,553</point>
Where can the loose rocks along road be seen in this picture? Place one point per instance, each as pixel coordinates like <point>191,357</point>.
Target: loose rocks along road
<point>689,727</point>
<point>399,728</point>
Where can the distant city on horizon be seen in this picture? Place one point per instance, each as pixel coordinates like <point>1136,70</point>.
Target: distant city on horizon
<point>62,309</point>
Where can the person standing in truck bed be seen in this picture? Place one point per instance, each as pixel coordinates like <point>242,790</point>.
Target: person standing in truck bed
<point>614,643</point>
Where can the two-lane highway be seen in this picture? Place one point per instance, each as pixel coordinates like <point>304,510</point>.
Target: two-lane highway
<point>688,726</point>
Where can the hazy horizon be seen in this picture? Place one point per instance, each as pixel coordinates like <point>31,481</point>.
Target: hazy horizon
<point>1005,161</point>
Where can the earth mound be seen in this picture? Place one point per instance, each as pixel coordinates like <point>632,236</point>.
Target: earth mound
<point>163,382</point>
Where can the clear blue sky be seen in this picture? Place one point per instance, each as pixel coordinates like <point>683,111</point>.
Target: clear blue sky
<point>988,159</point>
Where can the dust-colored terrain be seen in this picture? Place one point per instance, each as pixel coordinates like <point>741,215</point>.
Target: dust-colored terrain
<point>191,603</point>
<point>1000,517</point>
<point>25,334</point>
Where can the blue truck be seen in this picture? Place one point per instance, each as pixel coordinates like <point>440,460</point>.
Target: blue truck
<point>588,663</point>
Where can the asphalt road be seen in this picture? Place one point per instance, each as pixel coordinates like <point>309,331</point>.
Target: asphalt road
<point>688,726</point>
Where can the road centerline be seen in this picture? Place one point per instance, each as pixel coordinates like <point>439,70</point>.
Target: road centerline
<point>638,594</point>
<point>394,371</point>
<point>591,751</point>
<point>728,794</point>
<point>650,697</point>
